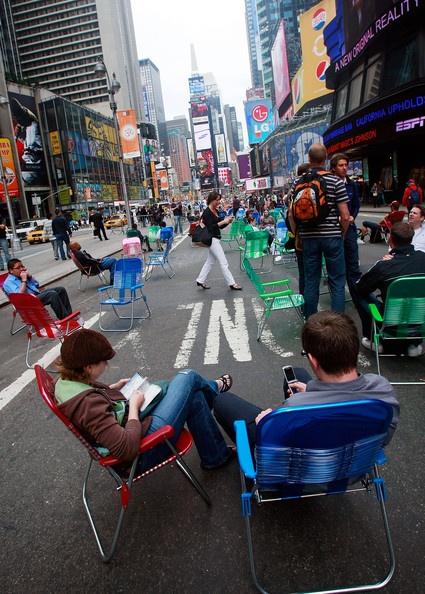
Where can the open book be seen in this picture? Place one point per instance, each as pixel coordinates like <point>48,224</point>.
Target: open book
<point>137,382</point>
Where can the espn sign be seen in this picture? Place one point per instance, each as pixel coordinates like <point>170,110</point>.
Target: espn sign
<point>410,124</point>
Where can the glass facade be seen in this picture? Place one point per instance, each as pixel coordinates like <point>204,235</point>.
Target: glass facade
<point>84,156</point>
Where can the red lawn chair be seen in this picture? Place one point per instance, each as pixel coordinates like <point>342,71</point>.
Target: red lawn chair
<point>3,277</point>
<point>39,321</point>
<point>124,483</point>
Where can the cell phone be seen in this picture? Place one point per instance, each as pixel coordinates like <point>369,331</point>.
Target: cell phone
<point>289,374</point>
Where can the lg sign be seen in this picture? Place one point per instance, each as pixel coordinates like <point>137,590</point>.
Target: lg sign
<point>260,113</point>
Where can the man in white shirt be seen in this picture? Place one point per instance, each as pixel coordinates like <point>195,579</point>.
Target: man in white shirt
<point>417,223</point>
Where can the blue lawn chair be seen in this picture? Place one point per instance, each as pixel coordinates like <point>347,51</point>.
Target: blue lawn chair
<point>160,258</point>
<point>307,451</point>
<point>126,291</point>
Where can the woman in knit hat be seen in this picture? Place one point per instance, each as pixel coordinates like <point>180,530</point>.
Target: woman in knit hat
<point>103,414</point>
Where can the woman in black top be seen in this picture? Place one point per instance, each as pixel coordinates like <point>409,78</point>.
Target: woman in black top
<point>213,223</point>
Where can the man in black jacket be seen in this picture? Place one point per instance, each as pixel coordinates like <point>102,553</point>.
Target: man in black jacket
<point>99,227</point>
<point>95,264</point>
<point>402,260</point>
<point>60,231</point>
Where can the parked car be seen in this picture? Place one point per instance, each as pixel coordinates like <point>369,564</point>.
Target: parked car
<point>116,221</point>
<point>37,235</point>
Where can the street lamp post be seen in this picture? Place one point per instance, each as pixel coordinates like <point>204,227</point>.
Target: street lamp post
<point>113,88</point>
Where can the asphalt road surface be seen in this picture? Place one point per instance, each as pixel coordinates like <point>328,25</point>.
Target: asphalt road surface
<point>171,542</point>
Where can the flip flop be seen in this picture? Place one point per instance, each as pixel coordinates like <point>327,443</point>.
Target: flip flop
<point>226,381</point>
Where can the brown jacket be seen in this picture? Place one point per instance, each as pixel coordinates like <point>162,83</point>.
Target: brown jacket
<point>92,413</point>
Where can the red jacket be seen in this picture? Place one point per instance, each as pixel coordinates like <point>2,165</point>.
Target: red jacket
<point>405,200</point>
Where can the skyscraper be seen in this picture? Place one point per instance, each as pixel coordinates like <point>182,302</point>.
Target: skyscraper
<point>232,128</point>
<point>177,133</point>
<point>291,10</point>
<point>152,98</point>
<point>268,14</point>
<point>57,45</point>
<point>253,43</point>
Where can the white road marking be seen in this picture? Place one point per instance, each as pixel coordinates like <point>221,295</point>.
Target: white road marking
<point>267,338</point>
<point>183,356</point>
<point>236,332</point>
<point>16,387</point>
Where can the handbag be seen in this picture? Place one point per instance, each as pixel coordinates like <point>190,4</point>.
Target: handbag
<point>201,236</point>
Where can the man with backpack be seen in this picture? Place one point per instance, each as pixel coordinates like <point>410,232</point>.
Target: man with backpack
<point>413,195</point>
<point>319,214</point>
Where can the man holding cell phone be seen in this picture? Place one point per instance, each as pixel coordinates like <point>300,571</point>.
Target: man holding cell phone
<point>331,343</point>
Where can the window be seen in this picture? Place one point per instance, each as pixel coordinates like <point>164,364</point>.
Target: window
<point>373,78</point>
<point>401,66</point>
<point>341,102</point>
<point>355,88</point>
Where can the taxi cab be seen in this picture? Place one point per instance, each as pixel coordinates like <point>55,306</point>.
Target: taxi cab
<point>116,221</point>
<point>37,235</point>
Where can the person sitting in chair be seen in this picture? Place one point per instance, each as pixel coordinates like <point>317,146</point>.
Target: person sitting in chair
<point>20,281</point>
<point>134,232</point>
<point>96,264</point>
<point>102,413</point>
<point>331,343</point>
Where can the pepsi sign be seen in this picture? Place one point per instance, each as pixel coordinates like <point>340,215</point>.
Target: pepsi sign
<point>319,19</point>
<point>259,120</point>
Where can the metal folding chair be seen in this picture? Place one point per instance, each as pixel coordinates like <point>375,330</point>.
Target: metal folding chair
<point>40,323</point>
<point>308,451</point>
<point>12,331</point>
<point>87,271</point>
<point>112,464</point>
<point>126,291</point>
<point>235,233</point>
<point>403,317</point>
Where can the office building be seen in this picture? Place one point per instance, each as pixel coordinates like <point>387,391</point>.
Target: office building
<point>290,11</point>
<point>57,44</point>
<point>232,128</point>
<point>177,135</point>
<point>152,98</point>
<point>253,36</point>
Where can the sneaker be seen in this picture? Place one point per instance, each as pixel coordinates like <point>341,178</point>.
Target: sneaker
<point>366,342</point>
<point>415,350</point>
<point>277,258</point>
<point>360,241</point>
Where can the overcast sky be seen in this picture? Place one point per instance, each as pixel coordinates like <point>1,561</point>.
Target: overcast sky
<point>164,32</point>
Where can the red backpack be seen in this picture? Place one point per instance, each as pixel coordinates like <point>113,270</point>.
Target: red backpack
<point>309,202</point>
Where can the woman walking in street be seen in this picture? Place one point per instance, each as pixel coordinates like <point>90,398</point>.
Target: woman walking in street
<point>213,223</point>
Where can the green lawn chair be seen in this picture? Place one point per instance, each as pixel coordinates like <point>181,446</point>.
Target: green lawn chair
<point>403,317</point>
<point>276,213</point>
<point>281,255</point>
<point>256,246</point>
<point>152,235</point>
<point>234,234</point>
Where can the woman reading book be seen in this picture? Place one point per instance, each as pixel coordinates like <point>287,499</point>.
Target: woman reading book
<point>110,421</point>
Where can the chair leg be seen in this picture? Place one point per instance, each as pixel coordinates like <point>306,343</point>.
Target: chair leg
<point>12,331</point>
<point>106,557</point>
<point>189,474</point>
<point>27,361</point>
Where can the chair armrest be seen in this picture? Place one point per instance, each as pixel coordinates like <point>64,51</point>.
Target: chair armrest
<point>134,287</point>
<point>103,289</point>
<point>284,281</point>
<point>159,436</point>
<point>275,294</point>
<point>376,315</point>
<point>243,450</point>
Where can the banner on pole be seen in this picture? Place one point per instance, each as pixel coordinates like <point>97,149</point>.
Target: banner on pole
<point>6,157</point>
<point>128,133</point>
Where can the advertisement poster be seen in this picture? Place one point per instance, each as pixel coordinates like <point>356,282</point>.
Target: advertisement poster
<point>315,58</point>
<point>259,183</point>
<point>102,140</point>
<point>128,133</point>
<point>202,136</point>
<point>6,157</point>
<point>196,85</point>
<point>225,175</point>
<point>28,140</point>
<point>259,120</point>
<point>244,166</point>
<point>154,180</point>
<point>281,80</point>
<point>55,143</point>
<point>220,146</point>
<point>163,180</point>
<point>205,161</point>
<point>190,152</point>
<point>199,112</point>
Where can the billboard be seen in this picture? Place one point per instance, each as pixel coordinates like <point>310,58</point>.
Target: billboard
<point>102,139</point>
<point>28,140</point>
<point>244,166</point>
<point>202,136</point>
<point>220,147</point>
<point>225,175</point>
<point>356,24</point>
<point>259,120</point>
<point>205,162</point>
<point>163,179</point>
<point>190,152</point>
<point>310,80</point>
<point>128,133</point>
<point>6,157</point>
<point>281,80</point>
<point>259,183</point>
<point>196,85</point>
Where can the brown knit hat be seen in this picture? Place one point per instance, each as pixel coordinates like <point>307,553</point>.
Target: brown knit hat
<point>85,347</point>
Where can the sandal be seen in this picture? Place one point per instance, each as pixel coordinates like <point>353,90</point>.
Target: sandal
<point>226,383</point>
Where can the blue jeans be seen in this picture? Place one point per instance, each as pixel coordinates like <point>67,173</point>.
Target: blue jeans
<point>332,248</point>
<point>189,399</point>
<point>178,227</point>
<point>108,263</point>
<point>351,253</point>
<point>60,240</point>
<point>4,245</point>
